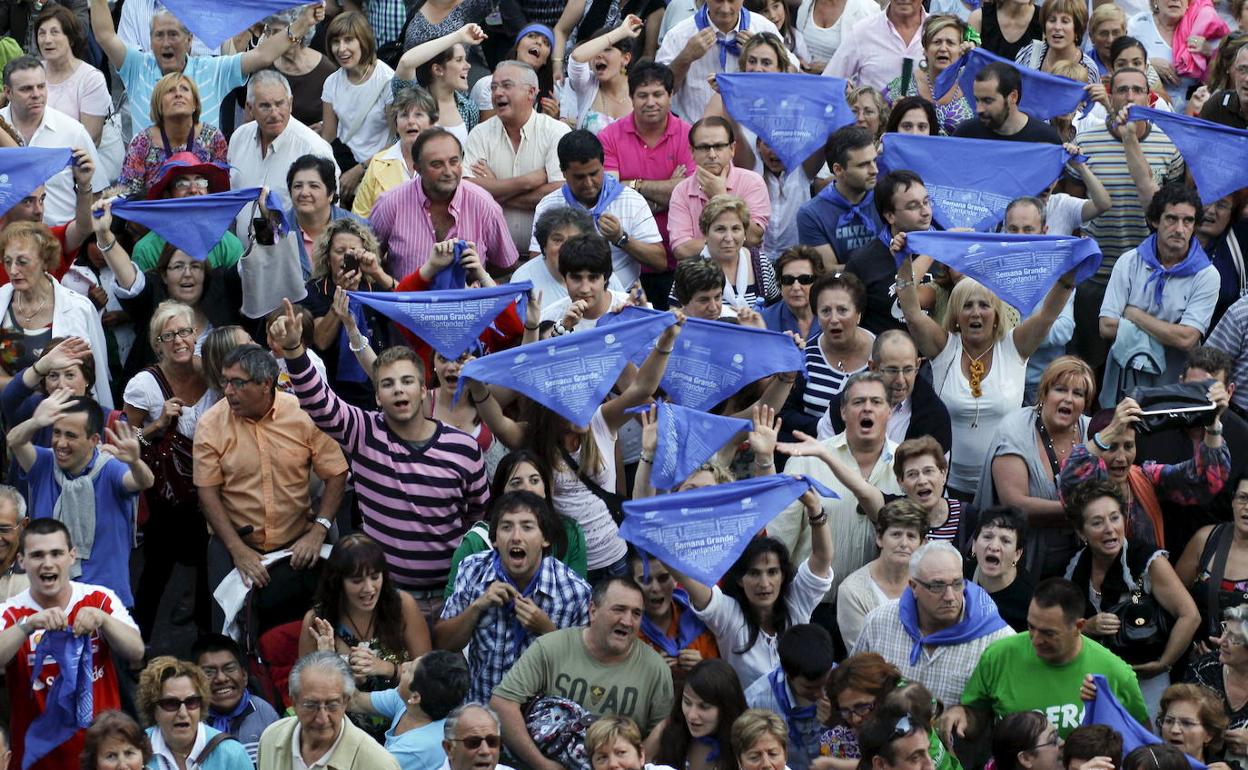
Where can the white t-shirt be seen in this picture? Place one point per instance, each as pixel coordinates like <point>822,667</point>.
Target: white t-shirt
<point>1064,214</point>
<point>603,545</point>
<point>822,42</point>
<point>974,420</point>
<point>365,102</point>
<point>635,218</point>
<point>550,285</point>
<point>555,311</point>
<point>143,392</point>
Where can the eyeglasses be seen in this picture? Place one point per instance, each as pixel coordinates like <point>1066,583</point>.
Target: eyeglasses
<point>236,383</point>
<point>939,587</point>
<point>1056,740</point>
<point>229,669</point>
<point>717,147</point>
<point>312,707</point>
<point>185,267</point>
<point>1240,498</point>
<point>473,742</point>
<point>893,371</point>
<point>805,279</point>
<point>1233,638</point>
<point>1183,724</point>
<point>180,334</point>
<point>184,184</point>
<point>8,529</point>
<point>861,710</point>
<point>172,705</point>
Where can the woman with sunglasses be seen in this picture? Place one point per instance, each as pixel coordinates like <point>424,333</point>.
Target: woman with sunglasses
<point>798,268</point>
<point>171,697</point>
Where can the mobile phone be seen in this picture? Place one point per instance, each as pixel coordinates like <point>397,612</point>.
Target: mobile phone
<point>350,262</point>
<point>265,233</point>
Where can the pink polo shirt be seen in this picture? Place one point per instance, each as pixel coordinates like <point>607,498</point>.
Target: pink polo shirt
<point>688,202</point>
<point>628,156</point>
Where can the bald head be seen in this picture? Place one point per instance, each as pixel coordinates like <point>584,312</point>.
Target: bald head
<point>896,358</point>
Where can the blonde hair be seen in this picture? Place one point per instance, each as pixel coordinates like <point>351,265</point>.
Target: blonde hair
<point>607,730</point>
<point>754,724</point>
<point>720,205</point>
<point>166,312</point>
<point>47,247</point>
<point>1104,13</point>
<point>161,670</point>
<point>941,21</point>
<point>336,227</point>
<point>1061,368</point>
<point>1070,69</point>
<point>167,84</point>
<point>966,289</point>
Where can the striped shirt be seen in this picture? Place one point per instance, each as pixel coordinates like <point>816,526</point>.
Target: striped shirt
<point>1231,335</point>
<point>416,502</point>
<point>823,380</point>
<point>403,225</point>
<point>1123,226</point>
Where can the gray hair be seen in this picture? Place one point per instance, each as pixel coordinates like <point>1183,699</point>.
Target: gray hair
<point>165,312</point>
<point>863,376</point>
<point>528,75</point>
<point>405,99</point>
<point>161,13</point>
<point>253,359</point>
<point>13,496</point>
<point>1237,614</point>
<point>267,77</point>
<point>452,719</point>
<point>1029,200</point>
<point>326,662</point>
<point>930,548</point>
<point>559,217</point>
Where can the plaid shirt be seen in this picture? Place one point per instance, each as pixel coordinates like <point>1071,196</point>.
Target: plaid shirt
<point>386,17</point>
<point>560,592</point>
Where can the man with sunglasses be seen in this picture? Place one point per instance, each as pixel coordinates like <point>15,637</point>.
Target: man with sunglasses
<point>472,739</point>
<point>319,735</point>
<point>55,603</point>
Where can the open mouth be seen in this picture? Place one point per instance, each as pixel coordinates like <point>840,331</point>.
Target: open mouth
<point>224,692</point>
<point>600,67</point>
<point>992,560</point>
<point>517,554</point>
<point>924,494</point>
<point>48,579</point>
<point>402,403</point>
<point>866,423</point>
<point>621,633</point>
<point>534,51</point>
<point>1065,411</point>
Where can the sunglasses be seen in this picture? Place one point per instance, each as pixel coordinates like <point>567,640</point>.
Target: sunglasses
<point>805,279</point>
<point>473,742</point>
<point>171,705</point>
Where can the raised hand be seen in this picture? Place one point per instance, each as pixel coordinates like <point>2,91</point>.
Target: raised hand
<point>73,350</point>
<point>805,446</point>
<point>287,328</point>
<point>765,432</point>
<point>323,634</point>
<point>83,169</point>
<point>51,408</point>
<point>123,443</point>
<point>472,34</point>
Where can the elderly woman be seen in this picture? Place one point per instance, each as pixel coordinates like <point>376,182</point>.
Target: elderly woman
<point>35,307</point>
<point>1224,672</point>
<point>556,225</point>
<point>345,259</point>
<point>900,528</point>
<point>1110,569</point>
<point>760,740</point>
<point>166,400</point>
<point>1107,23</point>
<point>997,546</point>
<point>176,127</point>
<point>313,185</point>
<point>1193,719</point>
<point>979,368</point>
<point>1064,22</point>
<point>441,65</point>
<point>870,109</point>
<point>943,37</point>
<point>171,697</point>
<point>799,267</point>
<point>1184,65</point>
<point>114,741</point>
<point>1026,454</point>
<point>1110,453</point>
<point>74,86</point>
<point>412,111</point>
<point>748,277</point>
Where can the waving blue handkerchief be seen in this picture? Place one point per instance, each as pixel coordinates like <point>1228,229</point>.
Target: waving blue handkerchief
<point>450,321</point>
<point>794,114</point>
<point>215,21</point>
<point>194,224</point>
<point>22,169</point>
<point>687,438</point>
<point>1217,155</point>
<point>1045,96</point>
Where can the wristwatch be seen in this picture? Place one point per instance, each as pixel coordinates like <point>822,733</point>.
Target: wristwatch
<point>623,240</point>
<point>324,522</point>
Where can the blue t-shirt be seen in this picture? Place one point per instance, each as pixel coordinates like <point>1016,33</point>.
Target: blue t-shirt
<point>818,222</point>
<point>419,749</point>
<point>215,76</point>
<point>109,565</point>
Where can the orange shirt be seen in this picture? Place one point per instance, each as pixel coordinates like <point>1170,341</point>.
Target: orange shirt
<point>263,468</point>
<point>703,642</point>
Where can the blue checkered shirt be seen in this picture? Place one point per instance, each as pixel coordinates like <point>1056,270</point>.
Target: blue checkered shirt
<point>560,592</point>
<point>386,17</point>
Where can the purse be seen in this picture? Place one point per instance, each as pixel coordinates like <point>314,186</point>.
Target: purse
<point>171,459</point>
<point>1174,407</point>
<point>1144,629</point>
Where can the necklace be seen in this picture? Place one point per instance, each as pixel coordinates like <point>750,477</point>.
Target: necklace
<point>28,316</point>
<point>977,370</point>
<point>356,629</point>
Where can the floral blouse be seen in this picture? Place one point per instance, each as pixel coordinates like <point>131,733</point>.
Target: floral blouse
<point>141,168</point>
<point>948,115</point>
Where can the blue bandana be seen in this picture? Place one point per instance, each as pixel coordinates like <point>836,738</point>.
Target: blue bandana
<point>687,438</point>
<point>979,618</point>
<point>70,702</point>
<point>793,113</point>
<point>1217,155</point>
<point>196,223</point>
<point>215,21</point>
<point>1193,263</point>
<point>449,321</point>
<point>519,634</point>
<point>25,168</point>
<point>611,189</point>
<point>727,44</point>
<point>688,628</point>
<point>780,691</point>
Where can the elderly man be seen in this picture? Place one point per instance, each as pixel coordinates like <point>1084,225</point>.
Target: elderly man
<point>262,151</point>
<point>231,708</point>
<point>1042,670</point>
<point>38,125</point>
<point>435,206</point>
<point>1230,105</point>
<point>472,739</point>
<point>604,667</point>
<point>13,521</point>
<point>182,176</point>
<point>710,42</point>
<point>513,154</point>
<point>621,214</point>
<point>255,454</point>
<point>873,50</point>
<point>215,76</point>
<point>914,408</point>
<point>319,734</point>
<point>864,445</point>
<point>937,600</point>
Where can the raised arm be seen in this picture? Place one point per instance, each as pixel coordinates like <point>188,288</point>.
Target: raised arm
<point>49,411</point>
<point>629,29</point>
<point>1031,333</point>
<point>930,336</point>
<point>106,33</point>
<point>648,376</point>
<point>869,497</point>
<point>821,549</point>
<point>123,443</point>
<point>469,34</point>
<point>272,47</point>
<point>80,228</point>
<point>114,253</point>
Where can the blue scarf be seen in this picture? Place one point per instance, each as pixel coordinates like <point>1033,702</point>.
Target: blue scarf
<point>1193,263</point>
<point>688,628</point>
<point>450,322</point>
<point>687,438</point>
<point>197,223</point>
<point>611,189</point>
<point>1044,96</point>
<point>793,113</point>
<point>224,722</point>
<point>519,634</point>
<point>1217,155</point>
<point>453,276</point>
<point>25,168</point>
<point>349,369</point>
<point>780,690</point>
<point>863,211</point>
<point>979,618</point>
<point>1105,709</point>
<point>70,702</point>
<point>727,44</point>
<point>215,21</point>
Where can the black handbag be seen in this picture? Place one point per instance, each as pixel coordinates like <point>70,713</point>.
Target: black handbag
<point>1174,407</point>
<point>1145,627</point>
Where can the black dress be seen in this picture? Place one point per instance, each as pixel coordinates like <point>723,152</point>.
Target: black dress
<point>995,42</point>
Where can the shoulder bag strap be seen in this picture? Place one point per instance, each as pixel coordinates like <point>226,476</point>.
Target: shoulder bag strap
<point>612,500</point>
<point>1217,570</point>
<point>213,743</point>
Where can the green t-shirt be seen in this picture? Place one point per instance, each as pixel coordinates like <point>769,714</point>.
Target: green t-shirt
<point>225,254</point>
<point>558,665</point>
<point>475,542</point>
<point>1011,678</point>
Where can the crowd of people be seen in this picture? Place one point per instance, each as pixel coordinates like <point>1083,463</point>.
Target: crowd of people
<point>385,558</point>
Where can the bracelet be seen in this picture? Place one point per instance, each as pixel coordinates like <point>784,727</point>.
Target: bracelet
<point>903,284</point>
<point>645,459</point>
<point>488,395</point>
<point>1209,431</point>
<point>296,347</point>
<point>143,439</point>
<point>361,348</point>
<point>661,351</point>
<point>105,249</point>
<point>35,368</point>
<point>1067,285</point>
<point>1101,445</point>
<point>763,466</point>
<point>528,328</point>
<point>818,521</point>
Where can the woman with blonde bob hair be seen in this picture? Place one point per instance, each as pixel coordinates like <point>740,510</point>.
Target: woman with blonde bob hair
<point>724,222</point>
<point>760,740</point>
<point>978,370</point>
<point>1027,452</point>
<point>176,128</point>
<point>615,741</point>
<point>171,697</point>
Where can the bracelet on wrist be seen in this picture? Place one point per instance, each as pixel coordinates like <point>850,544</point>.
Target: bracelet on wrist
<point>528,328</point>
<point>360,349</point>
<point>292,349</point>
<point>645,459</point>
<point>661,351</point>
<point>818,521</point>
<point>764,465</point>
<point>105,249</point>
<point>1100,444</point>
